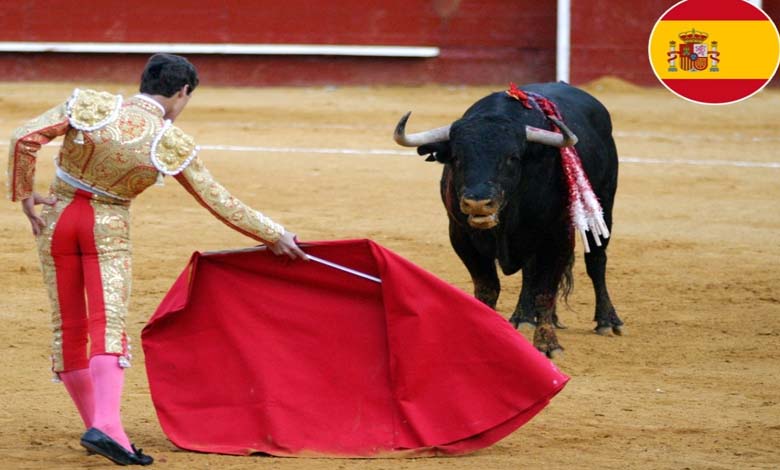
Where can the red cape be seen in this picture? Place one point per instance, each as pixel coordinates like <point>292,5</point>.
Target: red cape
<point>250,352</point>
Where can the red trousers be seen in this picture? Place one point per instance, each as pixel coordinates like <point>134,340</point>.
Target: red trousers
<point>85,258</point>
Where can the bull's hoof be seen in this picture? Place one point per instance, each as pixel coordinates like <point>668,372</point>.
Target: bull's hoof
<point>546,341</point>
<point>522,322</point>
<point>608,323</point>
<point>609,330</point>
<point>556,353</point>
<point>605,330</point>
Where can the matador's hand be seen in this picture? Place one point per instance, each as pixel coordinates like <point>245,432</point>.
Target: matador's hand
<point>28,207</point>
<point>286,245</point>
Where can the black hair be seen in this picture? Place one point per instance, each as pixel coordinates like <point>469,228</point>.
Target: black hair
<point>165,74</point>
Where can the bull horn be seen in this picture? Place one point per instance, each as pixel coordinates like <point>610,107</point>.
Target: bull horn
<point>440,134</point>
<point>566,139</point>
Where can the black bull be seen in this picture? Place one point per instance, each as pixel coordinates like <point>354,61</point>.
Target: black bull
<point>506,198</point>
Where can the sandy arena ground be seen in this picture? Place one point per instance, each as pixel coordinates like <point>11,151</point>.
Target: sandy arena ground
<point>693,271</point>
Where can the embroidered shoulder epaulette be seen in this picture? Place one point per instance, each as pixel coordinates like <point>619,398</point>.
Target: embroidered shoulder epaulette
<point>172,150</point>
<point>89,110</point>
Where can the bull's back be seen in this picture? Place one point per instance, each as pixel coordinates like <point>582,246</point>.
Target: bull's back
<point>591,122</point>
<point>575,104</point>
<point>578,108</point>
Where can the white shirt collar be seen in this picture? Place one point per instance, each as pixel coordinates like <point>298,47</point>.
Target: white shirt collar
<point>151,100</point>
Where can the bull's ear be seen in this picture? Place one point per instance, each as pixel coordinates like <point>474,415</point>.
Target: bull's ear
<point>437,151</point>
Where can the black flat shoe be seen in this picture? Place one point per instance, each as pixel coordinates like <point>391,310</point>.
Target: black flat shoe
<point>99,442</point>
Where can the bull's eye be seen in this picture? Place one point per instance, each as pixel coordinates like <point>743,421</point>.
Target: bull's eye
<point>513,160</point>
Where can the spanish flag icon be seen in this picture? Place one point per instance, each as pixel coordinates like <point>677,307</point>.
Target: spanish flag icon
<point>714,51</point>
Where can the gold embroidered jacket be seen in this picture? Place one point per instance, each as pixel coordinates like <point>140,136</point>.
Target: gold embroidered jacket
<point>119,148</point>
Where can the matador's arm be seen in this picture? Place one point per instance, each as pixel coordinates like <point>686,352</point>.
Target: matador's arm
<point>23,149</point>
<point>174,153</point>
<point>85,110</point>
<point>197,180</point>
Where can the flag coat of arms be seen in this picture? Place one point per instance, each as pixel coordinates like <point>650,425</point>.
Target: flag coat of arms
<point>693,56</point>
<point>250,352</point>
<point>714,51</point>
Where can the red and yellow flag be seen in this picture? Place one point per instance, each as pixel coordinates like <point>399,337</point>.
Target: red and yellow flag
<point>714,51</point>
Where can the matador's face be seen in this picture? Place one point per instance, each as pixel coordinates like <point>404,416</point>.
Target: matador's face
<point>178,103</point>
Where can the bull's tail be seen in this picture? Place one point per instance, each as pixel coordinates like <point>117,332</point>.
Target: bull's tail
<point>566,286</point>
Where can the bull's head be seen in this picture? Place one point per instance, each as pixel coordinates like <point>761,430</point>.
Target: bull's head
<point>485,157</point>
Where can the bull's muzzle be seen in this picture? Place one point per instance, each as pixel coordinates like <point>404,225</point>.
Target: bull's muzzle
<point>483,213</point>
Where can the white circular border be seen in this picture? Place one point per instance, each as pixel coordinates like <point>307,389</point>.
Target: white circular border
<point>650,57</point>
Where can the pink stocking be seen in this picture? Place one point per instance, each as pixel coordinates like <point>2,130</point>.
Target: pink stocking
<point>107,381</point>
<point>78,383</point>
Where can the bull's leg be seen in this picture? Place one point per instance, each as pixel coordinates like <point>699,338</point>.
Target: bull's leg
<point>525,312</point>
<point>487,287</point>
<point>545,339</point>
<point>482,269</point>
<point>486,290</point>
<point>596,262</point>
<point>605,316</point>
<point>552,263</point>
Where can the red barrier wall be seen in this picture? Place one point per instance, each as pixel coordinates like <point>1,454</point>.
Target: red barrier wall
<point>481,41</point>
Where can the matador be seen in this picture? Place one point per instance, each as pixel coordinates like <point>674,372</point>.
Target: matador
<point>113,149</point>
